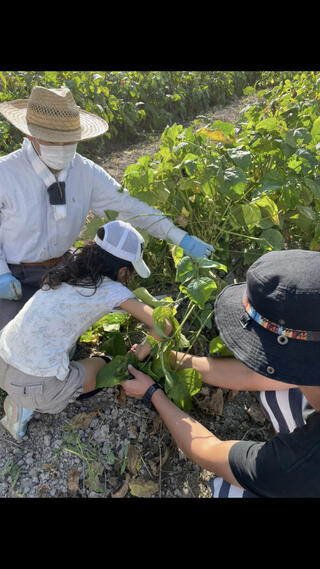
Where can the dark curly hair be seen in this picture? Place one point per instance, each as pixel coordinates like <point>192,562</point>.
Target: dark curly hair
<point>85,266</point>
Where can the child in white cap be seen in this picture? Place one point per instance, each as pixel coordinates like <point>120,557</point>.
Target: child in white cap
<point>35,368</point>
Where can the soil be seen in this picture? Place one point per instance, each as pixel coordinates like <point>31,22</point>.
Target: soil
<point>110,446</point>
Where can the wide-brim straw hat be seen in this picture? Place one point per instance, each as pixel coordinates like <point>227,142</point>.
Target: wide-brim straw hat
<point>53,115</point>
<point>271,322</point>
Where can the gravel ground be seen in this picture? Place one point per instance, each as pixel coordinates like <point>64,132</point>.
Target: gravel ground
<point>110,446</point>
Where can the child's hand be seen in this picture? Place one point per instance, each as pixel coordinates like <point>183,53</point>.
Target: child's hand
<point>141,350</point>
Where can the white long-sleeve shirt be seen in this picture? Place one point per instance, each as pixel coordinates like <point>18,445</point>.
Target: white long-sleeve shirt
<point>29,229</point>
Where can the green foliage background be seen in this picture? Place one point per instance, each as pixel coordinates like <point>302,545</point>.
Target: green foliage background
<point>130,101</point>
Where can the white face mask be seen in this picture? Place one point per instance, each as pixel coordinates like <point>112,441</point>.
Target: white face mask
<point>57,157</point>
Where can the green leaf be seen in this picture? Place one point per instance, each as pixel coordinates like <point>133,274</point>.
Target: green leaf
<point>185,269</point>
<point>116,371</point>
<point>307,155</point>
<point>187,383</point>
<point>313,186</point>
<point>241,158</point>
<point>307,212</point>
<point>115,345</point>
<point>144,295</point>
<point>251,215</point>
<point>200,290</point>
<point>190,167</point>
<point>271,125</point>
<point>92,228</point>
<point>248,214</point>
<point>273,238</point>
<point>315,131</point>
<point>270,182</point>
<point>218,348</point>
<point>226,127</point>
<point>209,264</point>
<point>111,214</point>
<point>269,210</point>
<point>111,321</point>
<point>177,254</point>
<point>159,317</point>
<point>232,180</point>
<point>302,134</point>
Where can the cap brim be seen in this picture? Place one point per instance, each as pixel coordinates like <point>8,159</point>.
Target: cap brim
<point>142,269</point>
<point>296,362</point>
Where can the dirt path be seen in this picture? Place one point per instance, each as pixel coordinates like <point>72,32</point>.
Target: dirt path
<point>117,162</point>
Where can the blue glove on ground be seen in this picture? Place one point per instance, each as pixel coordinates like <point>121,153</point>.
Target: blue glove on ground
<point>10,287</point>
<point>195,247</point>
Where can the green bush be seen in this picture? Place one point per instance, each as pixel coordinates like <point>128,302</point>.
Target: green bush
<point>131,102</point>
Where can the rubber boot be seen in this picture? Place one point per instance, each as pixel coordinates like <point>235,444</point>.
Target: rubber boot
<point>16,418</point>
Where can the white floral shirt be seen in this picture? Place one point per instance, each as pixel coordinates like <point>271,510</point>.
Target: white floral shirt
<point>38,340</point>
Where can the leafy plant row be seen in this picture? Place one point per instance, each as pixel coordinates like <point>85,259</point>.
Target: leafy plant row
<point>130,101</point>
<point>245,188</point>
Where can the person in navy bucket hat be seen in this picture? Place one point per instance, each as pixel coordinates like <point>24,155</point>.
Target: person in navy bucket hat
<point>271,324</point>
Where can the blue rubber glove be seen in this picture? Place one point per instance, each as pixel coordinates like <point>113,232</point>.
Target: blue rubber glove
<point>195,247</point>
<point>10,287</point>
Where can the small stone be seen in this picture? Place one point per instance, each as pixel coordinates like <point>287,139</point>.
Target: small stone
<point>101,435</point>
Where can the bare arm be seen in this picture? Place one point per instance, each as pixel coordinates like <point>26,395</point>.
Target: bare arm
<point>228,373</point>
<point>143,312</point>
<point>197,443</point>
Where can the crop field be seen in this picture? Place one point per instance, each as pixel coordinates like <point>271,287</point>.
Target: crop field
<point>246,188</point>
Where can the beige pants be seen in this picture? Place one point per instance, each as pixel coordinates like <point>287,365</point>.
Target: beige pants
<point>43,394</point>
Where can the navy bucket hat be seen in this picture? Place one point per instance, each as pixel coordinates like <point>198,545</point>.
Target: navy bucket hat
<point>271,322</point>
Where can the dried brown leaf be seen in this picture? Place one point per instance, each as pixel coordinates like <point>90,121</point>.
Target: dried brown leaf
<point>154,467</point>
<point>232,394</point>
<point>121,396</point>
<point>73,481</point>
<point>133,459</point>
<point>92,481</point>
<point>49,465</point>
<point>82,420</point>
<point>44,490</point>
<point>142,488</point>
<point>210,403</point>
<point>156,425</point>
<point>256,413</point>
<point>217,402</point>
<point>123,490</point>
<point>164,457</point>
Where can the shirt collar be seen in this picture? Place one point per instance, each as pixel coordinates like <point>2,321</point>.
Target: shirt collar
<point>48,178</point>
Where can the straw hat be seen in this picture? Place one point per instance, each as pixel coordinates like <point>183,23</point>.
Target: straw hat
<point>52,115</point>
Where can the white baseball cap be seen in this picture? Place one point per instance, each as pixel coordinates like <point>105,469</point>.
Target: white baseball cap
<point>123,241</point>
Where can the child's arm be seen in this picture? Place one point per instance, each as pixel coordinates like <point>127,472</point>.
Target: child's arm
<point>143,312</point>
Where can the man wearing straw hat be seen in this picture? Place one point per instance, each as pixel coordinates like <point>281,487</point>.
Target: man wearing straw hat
<point>47,190</point>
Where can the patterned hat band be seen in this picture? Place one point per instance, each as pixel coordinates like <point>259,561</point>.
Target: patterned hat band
<point>283,333</point>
